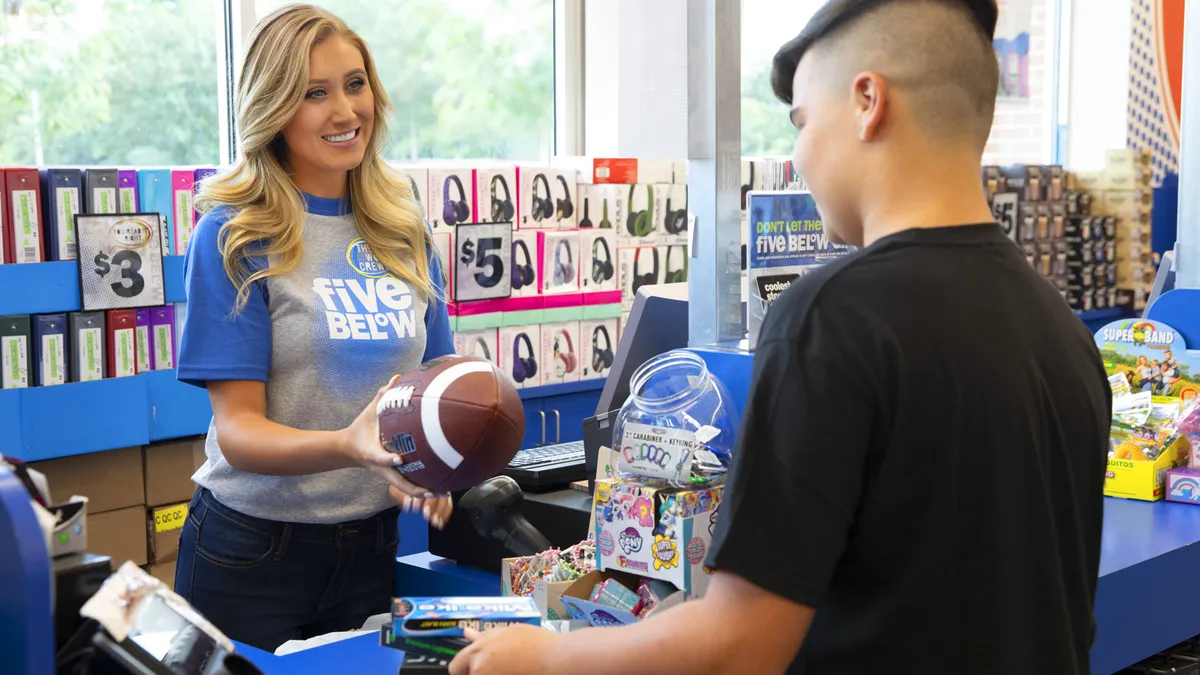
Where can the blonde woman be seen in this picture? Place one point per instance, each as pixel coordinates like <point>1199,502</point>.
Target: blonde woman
<point>310,283</point>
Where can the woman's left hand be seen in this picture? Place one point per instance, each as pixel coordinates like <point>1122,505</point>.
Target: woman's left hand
<point>436,510</point>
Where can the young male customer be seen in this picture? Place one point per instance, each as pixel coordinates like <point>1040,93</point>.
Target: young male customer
<point>919,482</point>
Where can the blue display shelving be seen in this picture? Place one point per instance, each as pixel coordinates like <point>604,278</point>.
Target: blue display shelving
<point>81,417</point>
<point>46,288</point>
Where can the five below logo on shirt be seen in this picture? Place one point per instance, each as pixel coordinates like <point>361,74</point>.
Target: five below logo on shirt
<point>374,306</point>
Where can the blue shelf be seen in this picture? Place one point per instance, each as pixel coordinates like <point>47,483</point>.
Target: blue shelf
<point>81,417</point>
<point>561,389</point>
<point>45,288</point>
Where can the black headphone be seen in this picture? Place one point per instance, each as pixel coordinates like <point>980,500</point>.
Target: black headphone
<point>601,358</point>
<point>543,207</point>
<point>640,280</point>
<point>602,270</point>
<point>416,193</point>
<point>523,275</point>
<point>502,209</point>
<point>457,210</point>
<point>586,222</point>
<point>487,353</point>
<point>523,369</point>
<point>566,208</point>
<point>675,221</point>
<point>746,188</point>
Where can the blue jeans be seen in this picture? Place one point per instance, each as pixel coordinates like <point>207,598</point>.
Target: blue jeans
<point>263,582</point>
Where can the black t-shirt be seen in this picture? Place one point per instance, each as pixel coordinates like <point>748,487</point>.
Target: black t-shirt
<point>922,460</point>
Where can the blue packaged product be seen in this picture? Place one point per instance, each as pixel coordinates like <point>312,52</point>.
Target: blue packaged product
<point>448,616</point>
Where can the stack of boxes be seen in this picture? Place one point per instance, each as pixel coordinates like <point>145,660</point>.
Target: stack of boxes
<point>1124,192</point>
<point>1091,241</point>
<point>137,499</point>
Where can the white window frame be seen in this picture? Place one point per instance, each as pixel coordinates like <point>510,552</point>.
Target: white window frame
<point>237,19</point>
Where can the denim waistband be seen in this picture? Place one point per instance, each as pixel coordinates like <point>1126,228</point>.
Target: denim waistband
<point>380,524</point>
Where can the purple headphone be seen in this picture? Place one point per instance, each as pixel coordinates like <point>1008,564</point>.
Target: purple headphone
<point>454,211</point>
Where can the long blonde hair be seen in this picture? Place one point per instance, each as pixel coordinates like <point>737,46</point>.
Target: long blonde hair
<point>267,206</point>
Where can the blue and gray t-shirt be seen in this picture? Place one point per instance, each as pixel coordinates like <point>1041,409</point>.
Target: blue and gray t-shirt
<point>323,337</point>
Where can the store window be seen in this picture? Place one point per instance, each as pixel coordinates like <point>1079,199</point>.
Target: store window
<point>1022,131</point>
<point>114,82</point>
<point>470,79</point>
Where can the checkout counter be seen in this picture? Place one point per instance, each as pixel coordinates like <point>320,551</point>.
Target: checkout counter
<point>1145,601</point>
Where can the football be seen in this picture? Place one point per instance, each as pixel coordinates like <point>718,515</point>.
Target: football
<point>455,420</point>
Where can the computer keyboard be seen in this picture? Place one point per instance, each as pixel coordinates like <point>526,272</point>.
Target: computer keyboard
<point>548,454</point>
<point>548,466</point>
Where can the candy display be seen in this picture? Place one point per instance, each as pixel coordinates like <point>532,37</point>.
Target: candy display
<point>678,425</point>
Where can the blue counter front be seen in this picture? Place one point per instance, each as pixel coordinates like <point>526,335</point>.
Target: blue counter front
<point>1145,598</point>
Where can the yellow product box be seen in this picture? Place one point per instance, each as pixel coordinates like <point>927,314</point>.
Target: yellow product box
<point>1144,479</point>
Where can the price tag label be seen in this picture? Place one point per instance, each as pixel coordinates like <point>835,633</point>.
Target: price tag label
<point>482,258</point>
<point>120,261</point>
<point>170,517</point>
<point>1004,210</point>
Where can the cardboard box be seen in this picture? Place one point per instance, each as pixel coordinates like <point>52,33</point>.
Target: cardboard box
<point>536,209</point>
<point>671,213</point>
<point>418,180</point>
<point>164,572</point>
<point>168,470</point>
<point>639,226</point>
<point>598,204</point>
<point>602,336</point>
<point>599,271</point>
<point>1145,480</point>
<point>443,244</point>
<point>560,353</point>
<point>162,531</point>
<point>577,600</point>
<point>547,595</point>
<point>619,170</point>
<point>564,190</point>
<point>481,343</point>
<point>120,535</point>
<point>110,480</point>
<point>496,195</point>
<point>452,198</point>
<point>518,349</point>
<point>525,268</point>
<point>558,259</point>
<point>625,538</point>
<point>1183,485</point>
<point>637,266</point>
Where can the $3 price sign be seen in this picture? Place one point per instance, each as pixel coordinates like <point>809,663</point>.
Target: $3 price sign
<point>125,254</point>
<point>129,283</point>
<point>482,261</point>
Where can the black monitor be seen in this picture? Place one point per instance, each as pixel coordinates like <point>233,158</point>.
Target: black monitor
<point>657,324</point>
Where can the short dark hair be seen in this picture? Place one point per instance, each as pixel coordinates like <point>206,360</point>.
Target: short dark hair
<point>838,13</point>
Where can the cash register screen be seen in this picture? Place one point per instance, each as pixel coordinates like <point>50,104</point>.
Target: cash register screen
<point>657,324</point>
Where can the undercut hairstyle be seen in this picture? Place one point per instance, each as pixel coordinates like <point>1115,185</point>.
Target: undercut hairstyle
<point>937,53</point>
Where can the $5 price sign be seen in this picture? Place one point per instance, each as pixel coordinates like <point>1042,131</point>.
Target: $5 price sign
<point>482,261</point>
<point>125,254</point>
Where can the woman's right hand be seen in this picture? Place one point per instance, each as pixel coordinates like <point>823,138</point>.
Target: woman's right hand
<point>360,441</point>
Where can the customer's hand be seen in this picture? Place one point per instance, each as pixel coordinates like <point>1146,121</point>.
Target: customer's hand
<point>514,650</point>
<point>361,443</point>
<point>436,510</point>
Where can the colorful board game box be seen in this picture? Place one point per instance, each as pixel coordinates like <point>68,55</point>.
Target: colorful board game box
<point>448,616</point>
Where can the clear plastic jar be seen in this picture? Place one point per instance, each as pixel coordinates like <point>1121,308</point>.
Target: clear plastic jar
<point>678,425</point>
